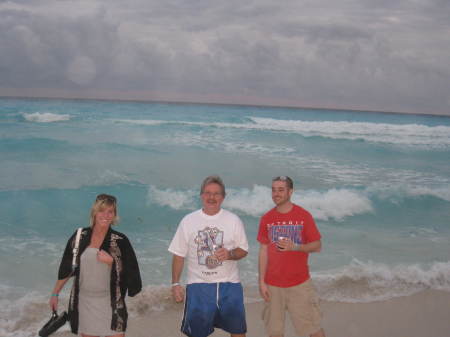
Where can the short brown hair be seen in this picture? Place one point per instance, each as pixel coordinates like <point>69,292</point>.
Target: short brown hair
<point>213,180</point>
<point>289,182</point>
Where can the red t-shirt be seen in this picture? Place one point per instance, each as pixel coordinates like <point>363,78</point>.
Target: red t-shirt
<point>287,269</point>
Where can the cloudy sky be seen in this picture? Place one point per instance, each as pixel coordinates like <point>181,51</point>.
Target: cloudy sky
<point>391,55</point>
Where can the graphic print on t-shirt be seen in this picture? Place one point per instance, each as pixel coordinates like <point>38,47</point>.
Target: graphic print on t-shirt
<point>208,241</point>
<point>286,229</point>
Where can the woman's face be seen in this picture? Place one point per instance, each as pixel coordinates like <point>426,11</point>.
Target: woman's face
<point>105,217</point>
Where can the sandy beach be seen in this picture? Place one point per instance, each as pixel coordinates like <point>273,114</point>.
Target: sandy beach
<point>420,315</point>
<point>424,314</point>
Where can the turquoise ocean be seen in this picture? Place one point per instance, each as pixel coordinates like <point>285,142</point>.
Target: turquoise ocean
<point>378,185</point>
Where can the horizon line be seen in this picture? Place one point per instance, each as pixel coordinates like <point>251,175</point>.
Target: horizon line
<point>220,103</point>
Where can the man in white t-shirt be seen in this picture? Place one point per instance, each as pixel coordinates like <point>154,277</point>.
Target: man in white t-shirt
<point>211,240</point>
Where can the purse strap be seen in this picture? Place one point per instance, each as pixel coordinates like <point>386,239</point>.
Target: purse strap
<point>76,249</point>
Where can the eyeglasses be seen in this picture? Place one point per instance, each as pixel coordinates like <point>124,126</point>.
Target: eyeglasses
<point>215,195</point>
<point>282,178</point>
<point>106,197</point>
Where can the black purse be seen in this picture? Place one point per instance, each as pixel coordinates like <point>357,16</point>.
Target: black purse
<point>55,322</point>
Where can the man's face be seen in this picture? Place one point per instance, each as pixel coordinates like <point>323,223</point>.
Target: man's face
<point>281,193</point>
<point>212,198</point>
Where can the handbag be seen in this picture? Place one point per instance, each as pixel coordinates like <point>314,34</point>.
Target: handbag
<point>57,321</point>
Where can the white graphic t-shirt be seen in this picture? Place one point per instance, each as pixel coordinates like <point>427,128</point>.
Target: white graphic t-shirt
<point>199,235</point>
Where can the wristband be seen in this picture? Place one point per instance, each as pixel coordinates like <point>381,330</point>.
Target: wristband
<point>55,295</point>
<point>296,247</point>
<point>231,253</point>
<point>175,284</point>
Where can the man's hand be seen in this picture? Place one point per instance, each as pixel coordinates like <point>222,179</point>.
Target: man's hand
<point>222,254</point>
<point>178,293</point>
<point>285,244</point>
<point>264,291</point>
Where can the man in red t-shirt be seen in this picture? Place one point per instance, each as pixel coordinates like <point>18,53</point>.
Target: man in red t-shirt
<point>287,234</point>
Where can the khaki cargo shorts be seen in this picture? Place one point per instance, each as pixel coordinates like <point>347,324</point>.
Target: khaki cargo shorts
<point>302,304</point>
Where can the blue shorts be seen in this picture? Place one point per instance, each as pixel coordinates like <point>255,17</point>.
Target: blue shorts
<point>213,305</point>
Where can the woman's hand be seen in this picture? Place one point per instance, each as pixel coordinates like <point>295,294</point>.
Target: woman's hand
<point>53,303</point>
<point>104,257</point>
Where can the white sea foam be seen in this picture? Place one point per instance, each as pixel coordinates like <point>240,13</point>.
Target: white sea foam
<point>369,281</point>
<point>45,117</point>
<point>333,204</point>
<point>439,192</point>
<point>174,199</point>
<point>253,201</point>
<point>404,134</point>
<point>407,134</point>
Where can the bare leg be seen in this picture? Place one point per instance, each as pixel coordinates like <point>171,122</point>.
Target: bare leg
<point>118,335</point>
<point>319,333</point>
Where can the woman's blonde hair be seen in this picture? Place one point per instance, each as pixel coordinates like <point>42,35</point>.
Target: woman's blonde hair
<point>101,202</point>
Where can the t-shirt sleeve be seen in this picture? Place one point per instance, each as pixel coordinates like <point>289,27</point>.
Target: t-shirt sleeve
<point>311,232</point>
<point>263,236</point>
<point>241,237</point>
<point>179,245</point>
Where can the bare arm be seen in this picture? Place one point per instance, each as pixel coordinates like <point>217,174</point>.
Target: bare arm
<point>289,245</point>
<point>312,247</point>
<point>177,269</point>
<point>53,302</point>
<point>262,267</point>
<point>233,254</point>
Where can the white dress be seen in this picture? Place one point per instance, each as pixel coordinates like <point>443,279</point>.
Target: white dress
<point>94,304</point>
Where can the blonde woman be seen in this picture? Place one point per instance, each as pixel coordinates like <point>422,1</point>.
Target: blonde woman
<point>106,271</point>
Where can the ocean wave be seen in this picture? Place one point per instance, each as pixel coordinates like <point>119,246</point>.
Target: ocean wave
<point>395,192</point>
<point>171,198</point>
<point>31,246</point>
<point>45,117</point>
<point>333,204</point>
<point>403,134</point>
<point>110,177</point>
<point>22,313</point>
<point>144,121</point>
<point>369,281</point>
<point>439,192</point>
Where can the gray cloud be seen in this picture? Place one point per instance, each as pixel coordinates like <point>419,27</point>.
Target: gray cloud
<point>380,55</point>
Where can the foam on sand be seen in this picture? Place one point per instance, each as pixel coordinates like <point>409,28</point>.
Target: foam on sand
<point>369,281</point>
